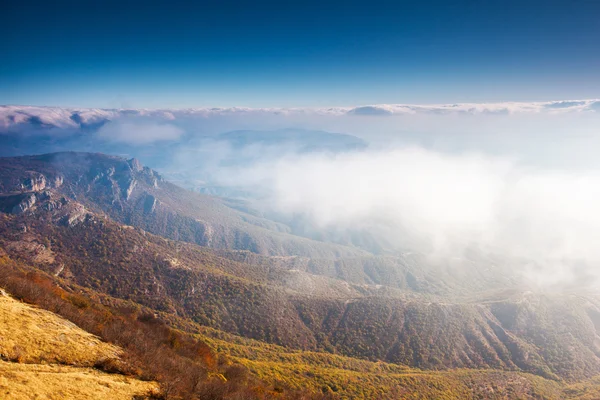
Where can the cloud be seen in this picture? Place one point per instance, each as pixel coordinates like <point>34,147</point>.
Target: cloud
<point>541,222</point>
<point>12,117</point>
<point>565,104</point>
<point>515,179</point>
<point>139,132</point>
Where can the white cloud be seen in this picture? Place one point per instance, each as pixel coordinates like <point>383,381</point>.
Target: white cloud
<point>442,204</point>
<point>11,116</point>
<point>518,179</point>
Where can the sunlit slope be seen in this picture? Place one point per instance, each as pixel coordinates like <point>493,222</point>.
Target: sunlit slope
<point>30,381</point>
<point>47,356</point>
<point>33,335</point>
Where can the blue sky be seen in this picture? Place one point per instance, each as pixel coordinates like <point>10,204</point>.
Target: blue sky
<point>269,54</point>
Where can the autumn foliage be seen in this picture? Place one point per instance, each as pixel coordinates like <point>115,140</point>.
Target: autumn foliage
<point>184,366</point>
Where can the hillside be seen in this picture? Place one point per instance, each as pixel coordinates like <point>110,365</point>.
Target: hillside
<point>273,303</point>
<point>73,185</point>
<point>32,335</point>
<point>46,356</point>
<point>135,195</point>
<point>147,348</point>
<point>333,319</point>
<point>336,376</point>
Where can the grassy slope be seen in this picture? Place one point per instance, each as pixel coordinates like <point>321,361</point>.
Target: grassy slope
<point>29,381</point>
<point>33,338</point>
<point>33,335</point>
<point>587,390</point>
<point>352,378</point>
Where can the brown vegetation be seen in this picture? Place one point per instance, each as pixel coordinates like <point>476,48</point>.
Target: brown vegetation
<point>184,366</point>
<point>60,382</point>
<point>309,317</point>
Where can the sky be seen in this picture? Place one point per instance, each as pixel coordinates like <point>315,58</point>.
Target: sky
<point>160,54</point>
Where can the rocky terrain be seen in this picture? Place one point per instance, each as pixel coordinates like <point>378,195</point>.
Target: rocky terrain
<point>114,227</point>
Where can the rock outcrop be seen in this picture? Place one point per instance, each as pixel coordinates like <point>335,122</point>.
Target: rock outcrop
<point>25,205</point>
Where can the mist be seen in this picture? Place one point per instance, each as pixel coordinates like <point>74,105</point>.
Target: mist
<point>443,204</point>
<point>520,181</point>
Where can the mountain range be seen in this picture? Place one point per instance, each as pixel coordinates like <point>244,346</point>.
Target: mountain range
<point>114,229</point>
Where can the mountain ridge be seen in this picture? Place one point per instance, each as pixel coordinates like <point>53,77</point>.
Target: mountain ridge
<point>90,220</point>
<point>275,305</point>
<point>136,195</point>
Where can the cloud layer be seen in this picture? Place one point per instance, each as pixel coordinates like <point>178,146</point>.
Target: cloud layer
<point>14,116</point>
<point>519,180</point>
<point>445,204</point>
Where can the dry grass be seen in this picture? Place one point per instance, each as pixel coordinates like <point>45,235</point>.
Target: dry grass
<point>33,335</point>
<point>35,381</point>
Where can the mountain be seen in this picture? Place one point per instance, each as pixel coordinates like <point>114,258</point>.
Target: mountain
<point>76,184</point>
<point>81,344</point>
<point>279,303</point>
<point>136,195</point>
<point>109,228</point>
<point>230,367</point>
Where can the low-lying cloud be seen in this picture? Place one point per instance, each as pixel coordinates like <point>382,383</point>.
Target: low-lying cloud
<point>444,204</point>
<point>18,117</point>
<point>518,180</point>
